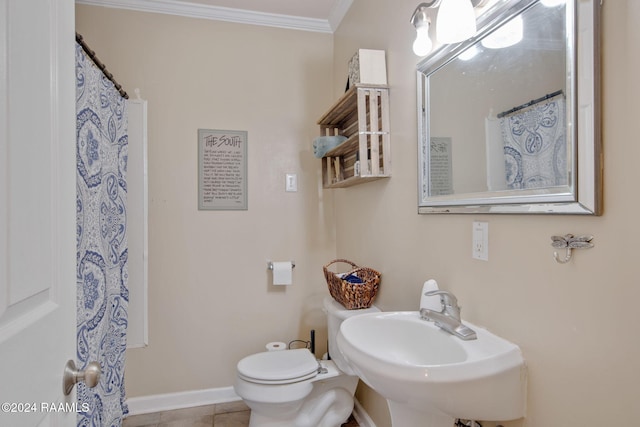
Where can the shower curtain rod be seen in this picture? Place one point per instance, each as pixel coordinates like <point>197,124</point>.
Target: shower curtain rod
<point>530,103</point>
<point>100,65</point>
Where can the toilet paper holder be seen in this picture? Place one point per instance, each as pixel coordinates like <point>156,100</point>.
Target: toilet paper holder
<point>270,265</point>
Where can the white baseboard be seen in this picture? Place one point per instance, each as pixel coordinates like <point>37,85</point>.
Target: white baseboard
<point>361,416</point>
<point>193,398</point>
<point>185,399</point>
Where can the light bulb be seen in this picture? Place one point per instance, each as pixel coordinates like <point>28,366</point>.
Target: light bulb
<point>505,36</point>
<point>456,21</point>
<point>422,45</point>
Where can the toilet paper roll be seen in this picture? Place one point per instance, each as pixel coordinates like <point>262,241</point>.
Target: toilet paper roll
<point>276,346</point>
<point>282,273</point>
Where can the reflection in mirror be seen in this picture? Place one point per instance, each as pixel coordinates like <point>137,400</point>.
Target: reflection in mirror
<point>507,123</point>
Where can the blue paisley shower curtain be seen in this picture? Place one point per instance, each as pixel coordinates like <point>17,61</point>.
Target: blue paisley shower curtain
<point>535,147</point>
<point>102,296</point>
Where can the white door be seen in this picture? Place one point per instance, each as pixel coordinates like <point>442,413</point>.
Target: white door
<point>37,211</point>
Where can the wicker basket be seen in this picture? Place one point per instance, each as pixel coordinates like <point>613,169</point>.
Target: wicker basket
<point>353,295</point>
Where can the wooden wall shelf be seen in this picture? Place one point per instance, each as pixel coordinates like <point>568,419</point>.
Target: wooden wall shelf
<point>362,116</point>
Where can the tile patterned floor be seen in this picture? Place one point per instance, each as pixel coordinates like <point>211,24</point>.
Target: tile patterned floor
<point>233,414</point>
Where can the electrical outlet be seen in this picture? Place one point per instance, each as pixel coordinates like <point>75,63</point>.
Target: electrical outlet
<point>480,241</point>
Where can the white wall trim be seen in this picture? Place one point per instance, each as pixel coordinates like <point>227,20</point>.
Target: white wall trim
<point>193,398</point>
<point>185,399</point>
<point>361,416</point>
<point>4,159</point>
<point>217,13</point>
<point>338,12</point>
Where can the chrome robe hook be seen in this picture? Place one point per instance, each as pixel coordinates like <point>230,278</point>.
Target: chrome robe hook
<point>569,242</point>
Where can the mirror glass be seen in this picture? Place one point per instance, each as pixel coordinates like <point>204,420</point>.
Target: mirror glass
<point>507,122</point>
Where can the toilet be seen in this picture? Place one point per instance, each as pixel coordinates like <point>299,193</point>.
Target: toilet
<point>291,388</point>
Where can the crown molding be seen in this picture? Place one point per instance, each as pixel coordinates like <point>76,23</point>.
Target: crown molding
<point>338,12</point>
<point>217,13</point>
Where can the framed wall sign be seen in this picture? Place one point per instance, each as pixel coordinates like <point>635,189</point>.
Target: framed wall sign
<point>222,169</point>
<point>440,174</point>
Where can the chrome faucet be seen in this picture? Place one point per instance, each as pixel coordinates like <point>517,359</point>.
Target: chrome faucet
<point>449,318</point>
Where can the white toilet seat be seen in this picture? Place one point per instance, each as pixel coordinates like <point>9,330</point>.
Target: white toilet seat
<point>278,367</point>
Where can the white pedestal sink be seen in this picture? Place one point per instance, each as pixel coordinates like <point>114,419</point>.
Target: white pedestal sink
<point>428,376</point>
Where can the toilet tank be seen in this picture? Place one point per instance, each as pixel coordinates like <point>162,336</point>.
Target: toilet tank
<point>336,313</point>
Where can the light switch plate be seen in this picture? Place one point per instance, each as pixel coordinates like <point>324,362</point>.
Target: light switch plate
<point>291,182</point>
<point>480,241</point>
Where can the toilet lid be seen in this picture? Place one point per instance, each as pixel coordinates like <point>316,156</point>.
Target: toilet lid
<point>278,367</point>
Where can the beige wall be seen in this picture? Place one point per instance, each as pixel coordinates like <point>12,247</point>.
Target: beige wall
<point>210,302</point>
<point>576,323</point>
<point>210,298</point>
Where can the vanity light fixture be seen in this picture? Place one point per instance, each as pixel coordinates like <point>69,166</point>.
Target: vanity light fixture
<point>420,20</point>
<point>455,22</point>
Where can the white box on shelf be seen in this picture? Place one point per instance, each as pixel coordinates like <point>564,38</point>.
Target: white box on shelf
<point>368,66</point>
